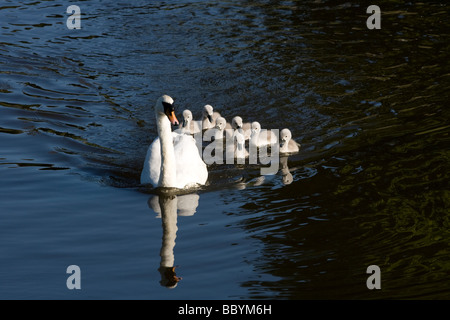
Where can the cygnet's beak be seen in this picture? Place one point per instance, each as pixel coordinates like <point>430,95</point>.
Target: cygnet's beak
<point>185,122</point>
<point>209,117</point>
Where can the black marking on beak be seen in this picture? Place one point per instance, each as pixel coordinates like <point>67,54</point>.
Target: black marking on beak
<point>169,111</point>
<point>209,118</point>
<point>168,108</point>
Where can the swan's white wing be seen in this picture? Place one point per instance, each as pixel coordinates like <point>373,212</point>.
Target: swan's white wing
<point>268,137</point>
<point>264,138</point>
<point>247,134</point>
<point>152,164</point>
<point>293,146</point>
<point>191,169</point>
<point>271,137</point>
<point>196,127</point>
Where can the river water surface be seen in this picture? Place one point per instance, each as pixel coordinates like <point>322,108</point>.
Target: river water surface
<point>369,187</point>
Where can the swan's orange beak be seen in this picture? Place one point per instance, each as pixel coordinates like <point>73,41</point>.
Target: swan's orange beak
<point>173,119</point>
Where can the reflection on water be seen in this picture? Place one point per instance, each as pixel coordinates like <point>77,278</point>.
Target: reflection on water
<point>285,172</point>
<point>168,205</point>
<point>168,208</point>
<point>186,204</point>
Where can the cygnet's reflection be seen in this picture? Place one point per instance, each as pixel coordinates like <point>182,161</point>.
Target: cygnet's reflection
<point>286,174</point>
<point>284,171</point>
<point>168,207</point>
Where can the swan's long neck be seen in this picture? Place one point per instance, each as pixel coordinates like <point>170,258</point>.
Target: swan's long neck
<point>168,164</point>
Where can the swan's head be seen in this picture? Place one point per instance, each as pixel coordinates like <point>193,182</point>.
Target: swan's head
<point>164,106</point>
<point>187,117</point>
<point>237,123</point>
<point>256,127</point>
<point>221,123</point>
<point>208,112</point>
<point>285,136</point>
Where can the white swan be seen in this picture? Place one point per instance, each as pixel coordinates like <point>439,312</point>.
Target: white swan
<point>209,117</point>
<point>189,126</point>
<point>238,124</point>
<point>287,145</point>
<point>260,138</point>
<point>172,160</point>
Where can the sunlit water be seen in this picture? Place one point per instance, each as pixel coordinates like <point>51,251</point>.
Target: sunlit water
<point>369,187</point>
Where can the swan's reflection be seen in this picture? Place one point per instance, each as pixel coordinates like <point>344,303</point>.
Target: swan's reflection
<point>168,208</point>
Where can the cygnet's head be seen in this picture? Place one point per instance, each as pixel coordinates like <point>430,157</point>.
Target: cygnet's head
<point>236,123</point>
<point>285,136</point>
<point>208,112</point>
<point>187,117</point>
<point>256,127</point>
<point>164,106</point>
<point>221,123</point>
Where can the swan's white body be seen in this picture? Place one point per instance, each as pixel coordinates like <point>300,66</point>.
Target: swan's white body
<point>261,138</point>
<point>172,159</point>
<point>287,145</point>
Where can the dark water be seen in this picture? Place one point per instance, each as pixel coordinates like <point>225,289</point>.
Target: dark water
<point>370,185</point>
